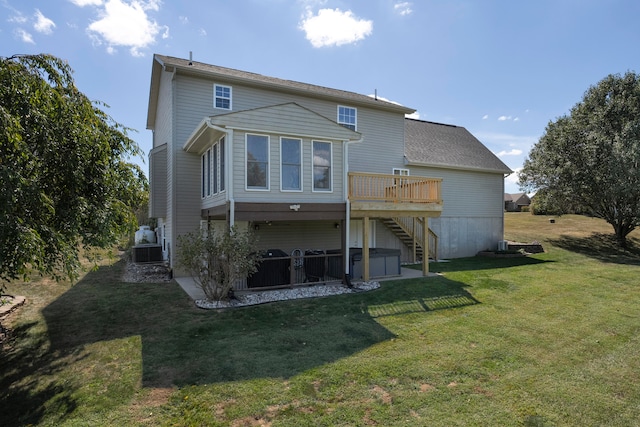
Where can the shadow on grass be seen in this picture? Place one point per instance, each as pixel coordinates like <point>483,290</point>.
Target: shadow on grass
<point>24,402</point>
<point>481,263</point>
<point>601,246</point>
<point>183,345</point>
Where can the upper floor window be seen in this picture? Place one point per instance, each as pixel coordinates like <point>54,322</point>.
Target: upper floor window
<point>400,171</point>
<point>322,165</point>
<point>347,117</point>
<point>257,163</point>
<point>222,97</point>
<point>290,164</point>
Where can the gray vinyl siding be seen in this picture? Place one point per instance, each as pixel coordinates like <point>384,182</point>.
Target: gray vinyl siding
<point>383,132</point>
<point>158,182</point>
<point>163,136</point>
<point>189,108</point>
<point>382,148</point>
<point>472,216</point>
<point>274,194</point>
<point>467,193</point>
<point>290,235</point>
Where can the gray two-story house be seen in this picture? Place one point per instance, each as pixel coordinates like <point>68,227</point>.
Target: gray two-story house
<point>325,177</point>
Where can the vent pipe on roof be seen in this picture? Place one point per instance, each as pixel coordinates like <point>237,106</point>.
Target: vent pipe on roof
<point>190,58</point>
<point>375,96</point>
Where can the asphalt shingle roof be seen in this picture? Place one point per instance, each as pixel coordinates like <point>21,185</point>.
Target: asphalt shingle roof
<point>449,146</point>
<point>246,77</point>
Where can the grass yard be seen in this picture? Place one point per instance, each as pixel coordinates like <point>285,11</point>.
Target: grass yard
<point>547,340</point>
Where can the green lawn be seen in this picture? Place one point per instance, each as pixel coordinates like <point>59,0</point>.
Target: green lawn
<point>547,340</point>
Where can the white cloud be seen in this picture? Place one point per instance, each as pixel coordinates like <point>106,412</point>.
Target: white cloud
<point>485,117</point>
<point>513,152</point>
<point>504,139</point>
<point>18,18</point>
<point>513,178</point>
<point>504,118</point>
<point>183,20</point>
<point>202,32</point>
<point>415,115</point>
<point>24,36</point>
<point>43,24</point>
<point>403,8</point>
<point>83,3</point>
<point>516,119</point>
<point>334,27</point>
<point>125,24</point>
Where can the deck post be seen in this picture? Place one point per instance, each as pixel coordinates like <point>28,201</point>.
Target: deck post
<point>425,246</point>
<point>365,248</point>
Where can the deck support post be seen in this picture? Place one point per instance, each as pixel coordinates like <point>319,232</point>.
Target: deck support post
<point>365,248</point>
<point>425,246</point>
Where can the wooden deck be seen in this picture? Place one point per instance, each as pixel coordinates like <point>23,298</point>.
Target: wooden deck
<point>383,195</point>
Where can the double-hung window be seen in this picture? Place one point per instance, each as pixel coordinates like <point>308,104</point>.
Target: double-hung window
<point>213,169</point>
<point>290,164</point>
<point>401,171</point>
<point>322,165</point>
<point>222,97</point>
<point>203,173</point>
<point>257,162</point>
<point>221,162</point>
<point>348,117</point>
<point>206,174</point>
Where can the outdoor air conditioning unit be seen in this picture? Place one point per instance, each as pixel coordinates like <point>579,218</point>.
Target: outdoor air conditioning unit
<point>503,245</point>
<point>147,253</point>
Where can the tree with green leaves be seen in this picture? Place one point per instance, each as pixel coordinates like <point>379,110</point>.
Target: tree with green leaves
<point>217,258</point>
<point>66,181</point>
<point>589,160</point>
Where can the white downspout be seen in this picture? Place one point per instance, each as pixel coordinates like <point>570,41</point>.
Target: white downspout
<point>229,153</point>
<point>345,180</point>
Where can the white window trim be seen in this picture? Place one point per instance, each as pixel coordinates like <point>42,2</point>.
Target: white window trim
<point>246,159</point>
<point>301,167</point>
<point>344,123</point>
<point>400,171</point>
<point>313,181</point>
<point>222,161</point>
<point>206,171</point>
<point>215,97</point>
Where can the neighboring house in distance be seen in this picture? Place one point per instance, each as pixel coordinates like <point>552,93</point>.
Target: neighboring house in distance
<point>515,202</point>
<point>314,171</point>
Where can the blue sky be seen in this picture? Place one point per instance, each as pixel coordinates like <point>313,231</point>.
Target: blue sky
<point>502,69</point>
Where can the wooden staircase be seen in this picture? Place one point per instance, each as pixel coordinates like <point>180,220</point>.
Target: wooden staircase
<point>410,232</point>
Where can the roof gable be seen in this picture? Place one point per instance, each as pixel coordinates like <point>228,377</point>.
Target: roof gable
<point>299,121</point>
<point>285,119</point>
<point>448,146</point>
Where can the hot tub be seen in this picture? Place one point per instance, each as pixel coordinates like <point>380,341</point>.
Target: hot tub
<point>382,262</point>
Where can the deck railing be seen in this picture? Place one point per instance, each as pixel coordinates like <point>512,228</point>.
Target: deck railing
<point>292,271</point>
<point>415,228</point>
<point>394,188</point>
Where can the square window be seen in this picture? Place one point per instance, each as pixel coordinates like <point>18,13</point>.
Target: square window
<point>347,117</point>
